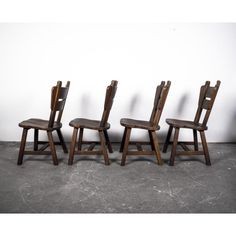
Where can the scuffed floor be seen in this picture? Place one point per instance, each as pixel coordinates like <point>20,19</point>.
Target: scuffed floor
<point>140,187</point>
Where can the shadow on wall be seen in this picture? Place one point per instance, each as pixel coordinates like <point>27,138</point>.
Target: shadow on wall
<point>232,129</point>
<point>182,104</point>
<point>134,102</point>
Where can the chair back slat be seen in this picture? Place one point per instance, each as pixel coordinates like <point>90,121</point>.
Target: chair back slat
<point>206,101</point>
<point>160,98</point>
<point>58,100</point>
<point>110,94</point>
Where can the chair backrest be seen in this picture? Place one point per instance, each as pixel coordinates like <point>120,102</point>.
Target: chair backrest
<point>58,100</point>
<point>206,101</point>
<point>159,102</point>
<point>110,94</point>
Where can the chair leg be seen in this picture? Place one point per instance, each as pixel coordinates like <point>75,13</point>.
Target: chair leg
<point>123,140</point>
<point>52,147</point>
<point>151,140</point>
<point>104,148</point>
<point>167,142</point>
<point>22,146</point>
<point>126,145</point>
<point>81,132</point>
<point>72,146</point>
<point>205,148</point>
<point>108,141</point>
<point>62,141</point>
<point>36,138</point>
<point>195,140</point>
<point>156,147</point>
<point>174,147</point>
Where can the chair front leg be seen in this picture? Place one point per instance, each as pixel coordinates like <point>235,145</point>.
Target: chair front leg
<point>36,139</point>
<point>174,147</point>
<point>81,132</point>
<point>108,141</point>
<point>156,147</point>
<point>195,140</point>
<point>103,147</point>
<point>205,148</point>
<point>123,140</point>
<point>22,146</point>
<point>167,142</point>
<point>126,145</point>
<point>62,141</point>
<point>151,140</point>
<point>52,147</point>
<point>72,146</point>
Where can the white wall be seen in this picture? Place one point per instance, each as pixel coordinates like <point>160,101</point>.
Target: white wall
<point>34,56</point>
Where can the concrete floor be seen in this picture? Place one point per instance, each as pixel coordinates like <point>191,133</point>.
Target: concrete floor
<point>140,187</point>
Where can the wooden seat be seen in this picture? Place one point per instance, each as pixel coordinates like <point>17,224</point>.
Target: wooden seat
<point>101,126</point>
<point>58,100</point>
<point>39,124</point>
<point>151,126</point>
<point>206,101</point>
<point>185,124</point>
<point>140,124</point>
<point>88,124</point>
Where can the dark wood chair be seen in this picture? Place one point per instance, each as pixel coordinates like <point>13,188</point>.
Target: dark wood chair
<point>58,100</point>
<point>151,126</point>
<point>100,125</point>
<point>206,101</point>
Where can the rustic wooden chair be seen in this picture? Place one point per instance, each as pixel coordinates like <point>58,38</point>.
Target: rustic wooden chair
<point>151,126</point>
<point>206,101</point>
<point>58,99</point>
<point>100,125</point>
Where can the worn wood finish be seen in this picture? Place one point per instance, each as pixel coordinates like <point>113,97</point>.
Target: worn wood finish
<point>81,132</point>
<point>205,102</point>
<point>151,126</point>
<point>108,143</point>
<point>72,146</point>
<point>52,147</point>
<point>100,125</point>
<point>58,100</point>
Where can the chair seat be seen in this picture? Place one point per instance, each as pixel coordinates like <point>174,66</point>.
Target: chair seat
<point>39,124</point>
<point>185,124</point>
<point>140,124</point>
<point>88,124</point>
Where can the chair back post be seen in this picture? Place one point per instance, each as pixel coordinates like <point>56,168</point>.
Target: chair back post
<point>110,94</point>
<point>206,101</point>
<point>160,98</point>
<point>58,99</point>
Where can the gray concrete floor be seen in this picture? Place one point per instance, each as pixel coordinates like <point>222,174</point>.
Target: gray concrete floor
<point>140,187</point>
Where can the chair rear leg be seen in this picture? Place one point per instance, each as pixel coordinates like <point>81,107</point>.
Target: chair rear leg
<point>52,147</point>
<point>205,148</point>
<point>81,132</point>
<point>167,142</point>
<point>156,147</point>
<point>36,139</point>
<point>72,146</point>
<point>123,140</point>
<point>126,145</point>
<point>174,147</point>
<point>104,148</point>
<point>151,140</point>
<point>22,146</point>
<point>195,140</point>
<point>108,141</point>
<point>62,141</point>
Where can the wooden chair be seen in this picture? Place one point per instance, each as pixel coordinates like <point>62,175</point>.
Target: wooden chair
<point>100,125</point>
<point>151,126</point>
<point>206,101</point>
<point>58,100</point>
